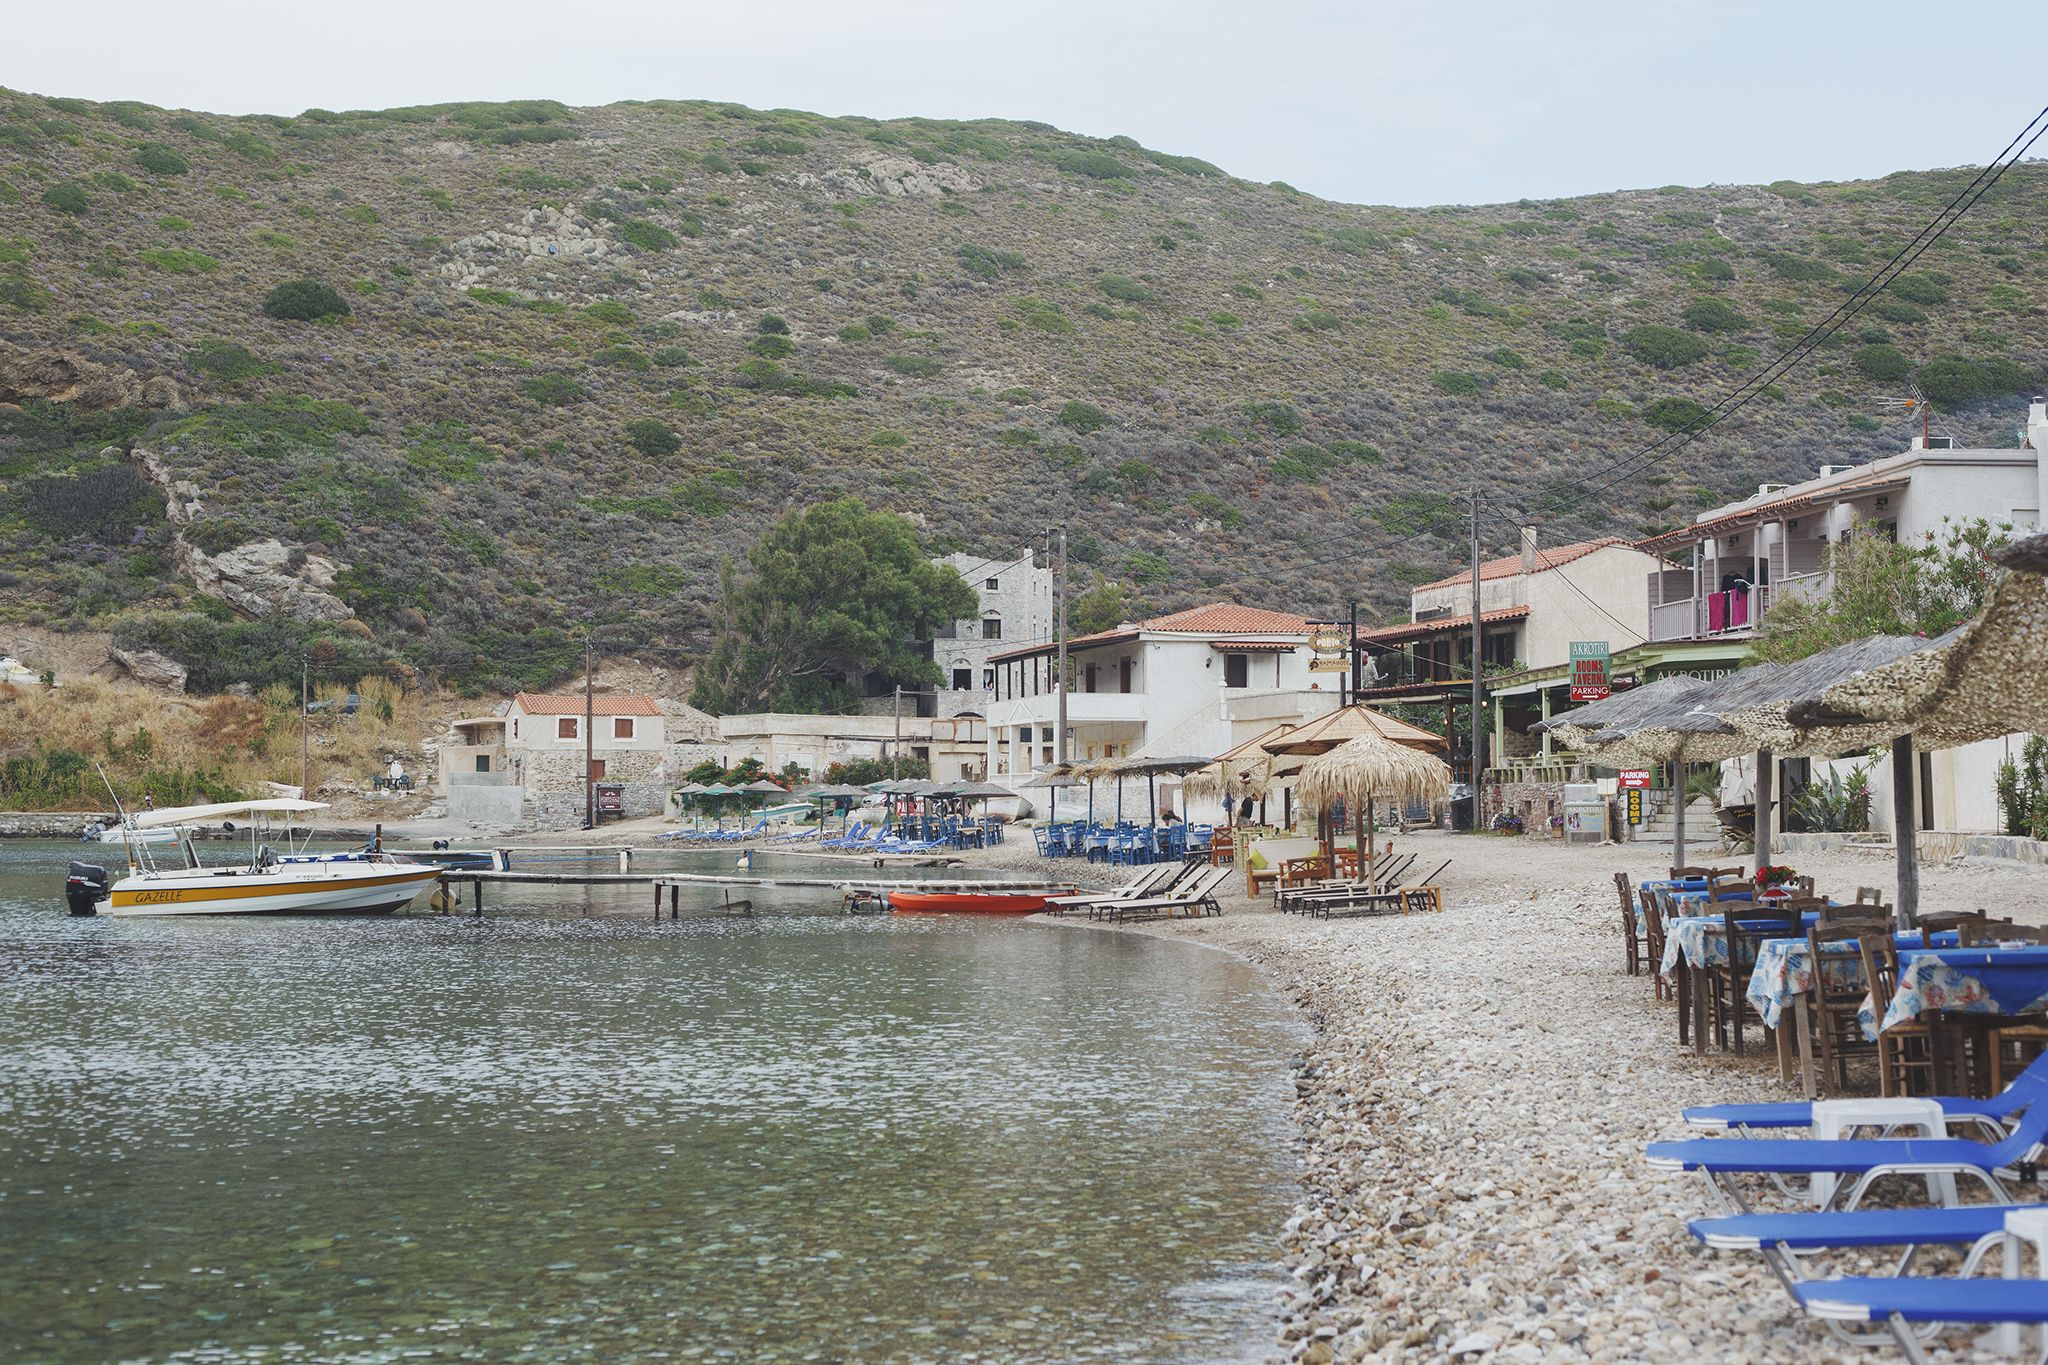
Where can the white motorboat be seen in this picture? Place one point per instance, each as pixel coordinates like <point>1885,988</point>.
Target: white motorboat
<point>291,882</point>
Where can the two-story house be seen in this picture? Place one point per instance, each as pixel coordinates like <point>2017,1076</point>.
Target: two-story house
<point>1533,607</point>
<point>1192,682</point>
<point>1017,608</point>
<point>526,766</point>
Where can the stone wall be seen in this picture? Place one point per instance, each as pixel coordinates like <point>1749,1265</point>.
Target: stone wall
<point>1535,802</point>
<point>554,785</point>
<point>48,824</point>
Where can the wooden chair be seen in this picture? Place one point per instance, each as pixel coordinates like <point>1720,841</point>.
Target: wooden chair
<point>2008,1045</point>
<point>1680,874</point>
<point>1725,884</point>
<point>1905,1051</point>
<point>1974,933</point>
<point>1836,1001</point>
<point>1223,847</point>
<point>1853,913</point>
<point>1727,985</point>
<point>1653,944</point>
<point>1869,895</point>
<point>1632,935</point>
<point>1954,921</point>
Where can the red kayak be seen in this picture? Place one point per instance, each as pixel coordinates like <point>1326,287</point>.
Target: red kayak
<point>968,902</point>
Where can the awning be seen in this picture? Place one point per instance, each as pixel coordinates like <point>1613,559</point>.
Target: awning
<point>1255,646</point>
<point>1415,630</point>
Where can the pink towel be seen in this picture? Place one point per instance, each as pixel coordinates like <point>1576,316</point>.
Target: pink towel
<point>1717,611</point>
<point>1738,609</point>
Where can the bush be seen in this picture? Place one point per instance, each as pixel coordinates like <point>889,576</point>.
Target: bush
<point>673,358</point>
<point>984,263</point>
<point>621,357</point>
<point>67,198</point>
<point>1886,364</point>
<point>228,361</point>
<point>1897,310</point>
<point>1094,165</point>
<point>771,325</point>
<point>1124,289</point>
<point>1082,417</point>
<point>1923,287</point>
<point>1507,358</point>
<point>916,366</point>
<point>772,345</point>
<point>553,390</point>
<point>1952,382</point>
<point>1674,414</point>
<point>652,437</point>
<point>1667,348</point>
<point>647,236</point>
<point>305,301</point>
<point>1456,383</point>
<point>1714,315</point>
<point>178,261</point>
<point>158,159</point>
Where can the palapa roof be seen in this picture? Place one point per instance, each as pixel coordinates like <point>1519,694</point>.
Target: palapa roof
<point>1574,727</point>
<point>1244,770</point>
<point>603,704</point>
<point>1368,767</point>
<point>1508,566</point>
<point>1353,722</point>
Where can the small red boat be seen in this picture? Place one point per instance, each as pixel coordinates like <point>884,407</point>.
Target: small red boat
<point>968,902</point>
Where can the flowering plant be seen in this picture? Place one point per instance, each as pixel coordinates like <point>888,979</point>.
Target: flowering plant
<point>1769,874</point>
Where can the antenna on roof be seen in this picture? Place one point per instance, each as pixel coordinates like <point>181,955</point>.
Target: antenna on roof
<point>1918,402</point>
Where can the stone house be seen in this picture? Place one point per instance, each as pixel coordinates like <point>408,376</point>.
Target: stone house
<point>526,766</point>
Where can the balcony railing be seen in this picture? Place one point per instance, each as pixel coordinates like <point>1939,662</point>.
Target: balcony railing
<point>1735,611</point>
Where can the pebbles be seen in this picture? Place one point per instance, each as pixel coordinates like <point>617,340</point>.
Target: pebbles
<point>1472,1117</point>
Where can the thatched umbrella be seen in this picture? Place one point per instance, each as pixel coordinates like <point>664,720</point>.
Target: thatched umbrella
<point>1341,726</point>
<point>1575,727</point>
<point>1152,767</point>
<point>1246,770</point>
<point>1052,780</point>
<point>1360,770</point>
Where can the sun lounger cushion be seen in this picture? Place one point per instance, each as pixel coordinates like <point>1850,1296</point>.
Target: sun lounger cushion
<point>1928,1299</point>
<point>1778,1156</point>
<point>1800,1115</point>
<point>1864,1228</point>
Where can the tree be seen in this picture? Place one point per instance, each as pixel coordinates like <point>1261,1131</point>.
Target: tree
<point>1102,607</point>
<point>1880,587</point>
<point>304,301</point>
<point>834,592</point>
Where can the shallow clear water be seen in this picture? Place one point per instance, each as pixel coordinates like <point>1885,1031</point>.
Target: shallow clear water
<point>572,1131</point>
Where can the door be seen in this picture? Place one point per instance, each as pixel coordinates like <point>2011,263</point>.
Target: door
<point>1123,675</point>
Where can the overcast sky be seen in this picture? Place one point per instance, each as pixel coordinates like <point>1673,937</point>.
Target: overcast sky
<point>1425,101</point>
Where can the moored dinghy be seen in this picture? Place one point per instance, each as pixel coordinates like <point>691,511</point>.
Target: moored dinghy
<point>969,902</point>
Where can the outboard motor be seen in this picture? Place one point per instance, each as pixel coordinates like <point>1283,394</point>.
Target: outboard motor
<point>85,886</point>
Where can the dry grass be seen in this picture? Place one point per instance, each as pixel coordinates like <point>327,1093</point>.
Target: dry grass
<point>185,748</point>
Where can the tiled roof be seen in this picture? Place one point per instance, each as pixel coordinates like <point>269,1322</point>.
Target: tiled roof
<point>604,704</point>
<point>1409,630</point>
<point>1556,557</point>
<point>1214,619</point>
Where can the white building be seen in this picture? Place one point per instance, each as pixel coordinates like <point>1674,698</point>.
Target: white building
<point>527,765</point>
<point>1742,559</point>
<point>954,746</point>
<point>1017,608</point>
<point>1194,682</point>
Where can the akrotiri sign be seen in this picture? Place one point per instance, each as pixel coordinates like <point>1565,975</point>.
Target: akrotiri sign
<point>1589,670</point>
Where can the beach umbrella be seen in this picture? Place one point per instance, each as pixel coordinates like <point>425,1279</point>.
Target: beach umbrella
<point>1292,749</point>
<point>1243,771</point>
<point>1052,781</point>
<point>1359,771</point>
<point>1152,767</point>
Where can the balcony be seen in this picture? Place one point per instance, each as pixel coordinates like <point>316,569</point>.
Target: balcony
<point>1735,612</point>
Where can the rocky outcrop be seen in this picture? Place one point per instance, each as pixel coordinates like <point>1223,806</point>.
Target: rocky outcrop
<point>181,496</point>
<point>540,234</point>
<point>266,578</point>
<point>897,177</point>
<point>67,377</point>
<point>150,667</point>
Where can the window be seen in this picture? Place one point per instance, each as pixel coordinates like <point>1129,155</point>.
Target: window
<point>991,627</point>
<point>988,677</point>
<point>1123,675</point>
<point>483,763</point>
<point>565,727</point>
<point>1237,670</point>
<point>992,584</point>
<point>963,679</point>
<point>1088,678</point>
<point>1023,734</point>
<point>597,770</point>
<point>1500,648</point>
<point>622,727</point>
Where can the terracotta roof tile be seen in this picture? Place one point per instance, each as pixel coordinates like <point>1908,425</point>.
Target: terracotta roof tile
<point>604,704</point>
<point>1415,629</point>
<point>1556,557</point>
<point>1214,618</point>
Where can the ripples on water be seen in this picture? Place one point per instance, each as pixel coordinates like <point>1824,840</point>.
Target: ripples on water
<point>571,1131</point>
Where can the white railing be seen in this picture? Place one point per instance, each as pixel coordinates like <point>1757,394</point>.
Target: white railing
<point>1674,621</point>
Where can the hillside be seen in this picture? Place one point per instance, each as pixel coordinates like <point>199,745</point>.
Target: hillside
<point>591,352</point>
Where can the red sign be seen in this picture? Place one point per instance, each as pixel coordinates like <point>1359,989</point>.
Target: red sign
<point>1589,670</point>
<point>1632,778</point>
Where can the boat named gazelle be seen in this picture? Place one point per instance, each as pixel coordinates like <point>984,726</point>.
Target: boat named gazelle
<point>292,882</point>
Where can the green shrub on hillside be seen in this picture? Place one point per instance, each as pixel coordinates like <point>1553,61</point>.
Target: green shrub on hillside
<point>1897,310</point>
<point>1953,381</point>
<point>647,236</point>
<point>179,261</point>
<point>1456,383</point>
<point>986,263</point>
<point>1667,348</point>
<point>916,366</point>
<point>769,377</point>
<point>1124,289</point>
<point>1886,364</point>
<point>772,345</point>
<point>1714,315</point>
<point>67,198</point>
<point>652,437</point>
<point>1082,417</point>
<point>1279,418</point>
<point>553,390</point>
<point>1413,514</point>
<point>1094,165</point>
<point>228,361</point>
<point>305,301</point>
<point>672,358</point>
<point>158,159</point>
<point>621,358</point>
<point>1922,287</point>
<point>1506,357</point>
<point>1673,414</point>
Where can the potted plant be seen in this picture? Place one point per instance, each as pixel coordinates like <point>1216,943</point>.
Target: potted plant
<point>1774,876</point>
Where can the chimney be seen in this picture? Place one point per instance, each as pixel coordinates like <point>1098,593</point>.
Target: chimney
<point>1528,549</point>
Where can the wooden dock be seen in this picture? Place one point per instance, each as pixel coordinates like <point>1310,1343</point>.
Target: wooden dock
<point>859,895</point>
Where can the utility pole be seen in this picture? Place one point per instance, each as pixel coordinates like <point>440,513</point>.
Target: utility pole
<point>896,748</point>
<point>304,683</point>
<point>1351,672</point>
<point>1059,722</point>
<point>589,744</point>
<point>1478,669</point>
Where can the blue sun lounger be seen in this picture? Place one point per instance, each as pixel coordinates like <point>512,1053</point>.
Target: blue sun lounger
<point>1867,1159</point>
<point>1993,1114</point>
<point>1781,1237</point>
<point>1900,1302</point>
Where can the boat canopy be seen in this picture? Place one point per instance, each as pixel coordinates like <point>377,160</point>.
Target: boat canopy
<point>186,815</point>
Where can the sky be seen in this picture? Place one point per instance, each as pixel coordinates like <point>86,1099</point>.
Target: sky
<point>1422,102</point>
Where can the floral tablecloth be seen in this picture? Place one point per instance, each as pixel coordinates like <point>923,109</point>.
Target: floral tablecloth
<point>1980,980</point>
<point>1784,969</point>
<point>1703,939</point>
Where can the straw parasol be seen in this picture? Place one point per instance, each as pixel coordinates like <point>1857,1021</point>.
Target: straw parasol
<point>1152,767</point>
<point>1246,770</point>
<point>1052,780</point>
<point>1575,727</point>
<point>1292,749</point>
<point>1359,771</point>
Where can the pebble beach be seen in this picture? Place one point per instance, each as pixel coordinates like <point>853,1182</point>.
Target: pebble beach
<point>1473,1110</point>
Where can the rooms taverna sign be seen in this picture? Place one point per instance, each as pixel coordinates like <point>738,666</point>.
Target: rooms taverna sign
<point>1589,670</point>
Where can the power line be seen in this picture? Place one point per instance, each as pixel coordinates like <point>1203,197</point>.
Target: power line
<point>1566,580</point>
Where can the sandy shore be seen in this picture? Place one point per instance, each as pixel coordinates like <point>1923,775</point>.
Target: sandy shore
<point>1473,1111</point>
